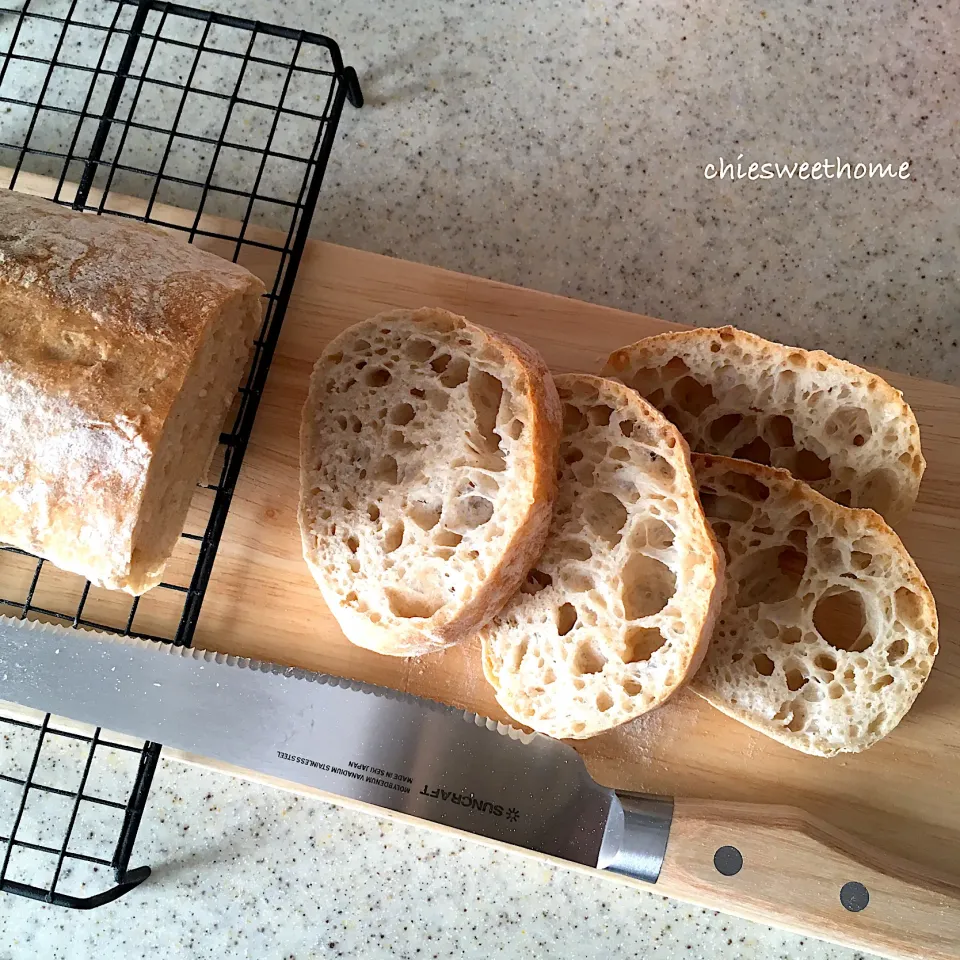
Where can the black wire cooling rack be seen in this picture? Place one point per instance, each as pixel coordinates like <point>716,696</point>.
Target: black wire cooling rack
<point>102,101</point>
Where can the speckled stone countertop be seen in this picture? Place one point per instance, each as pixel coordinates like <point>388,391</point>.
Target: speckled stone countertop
<point>562,146</point>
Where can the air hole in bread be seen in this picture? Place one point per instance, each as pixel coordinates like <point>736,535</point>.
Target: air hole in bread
<point>780,431</point>
<point>386,470</point>
<point>411,606</point>
<point>675,367</point>
<point>747,486</point>
<point>536,581</point>
<point>756,451</point>
<point>632,688</point>
<point>587,660</point>
<point>619,453</point>
<point>471,512</point>
<point>447,538</point>
<point>397,442</point>
<point>393,536</point>
<point>860,560</point>
<point>798,717</point>
<point>439,364</point>
<point>771,575</point>
<point>808,466</point>
<point>418,350</point>
<point>626,427</point>
<point>566,618</point>
<point>648,586</point>
<point>456,373</point>
<point>848,424</point>
<point>671,413</point>
<point>599,415</point>
<point>417,392</point>
<point>840,619</point>
<point>353,544</point>
<point>425,515</point>
<point>373,512</point>
<point>577,581</point>
<point>376,377</point>
<point>692,396</point>
<point>877,722</point>
<point>356,424</point>
<point>604,701</point>
<point>515,429</point>
<point>642,643</point>
<point>722,426</point>
<point>763,665</point>
<point>825,662</point>
<point>402,414</point>
<point>718,507</point>
<point>574,419</point>
<point>897,651</point>
<point>769,629</point>
<point>883,681</point>
<point>575,550</point>
<point>655,534</point>
<point>605,515</point>
<point>835,691</point>
<point>795,679</point>
<point>572,456</point>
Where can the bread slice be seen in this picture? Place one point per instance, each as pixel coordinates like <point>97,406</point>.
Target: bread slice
<point>428,475</point>
<point>843,430</point>
<point>617,614</point>
<point>828,631</point>
<point>121,349</point>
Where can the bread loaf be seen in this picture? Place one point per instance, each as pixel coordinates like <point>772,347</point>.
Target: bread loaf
<point>828,631</point>
<point>617,613</point>
<point>843,430</point>
<point>428,475</point>
<point>121,348</point>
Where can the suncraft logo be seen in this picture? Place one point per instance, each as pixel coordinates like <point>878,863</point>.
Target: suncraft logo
<point>469,800</point>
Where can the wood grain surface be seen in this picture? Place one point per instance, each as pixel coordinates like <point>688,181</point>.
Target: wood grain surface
<point>902,796</point>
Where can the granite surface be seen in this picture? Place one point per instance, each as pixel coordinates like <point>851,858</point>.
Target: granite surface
<point>561,146</point>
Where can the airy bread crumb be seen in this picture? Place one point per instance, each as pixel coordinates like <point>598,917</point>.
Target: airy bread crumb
<point>428,475</point>
<point>617,612</point>
<point>828,631</point>
<point>840,428</point>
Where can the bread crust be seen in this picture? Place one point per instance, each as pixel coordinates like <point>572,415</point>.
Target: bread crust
<point>101,320</point>
<point>849,687</point>
<point>844,430</point>
<point>462,612</point>
<point>623,519</point>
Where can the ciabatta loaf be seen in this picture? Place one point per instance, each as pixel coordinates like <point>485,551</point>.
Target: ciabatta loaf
<point>828,631</point>
<point>843,430</point>
<point>428,475</point>
<point>121,348</point>
<point>618,611</point>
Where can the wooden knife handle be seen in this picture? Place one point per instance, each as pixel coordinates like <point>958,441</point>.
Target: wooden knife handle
<point>779,865</point>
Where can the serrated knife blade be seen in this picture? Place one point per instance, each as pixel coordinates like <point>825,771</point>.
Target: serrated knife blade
<point>370,744</point>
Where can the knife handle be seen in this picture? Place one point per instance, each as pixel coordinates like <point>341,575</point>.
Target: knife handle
<point>777,864</point>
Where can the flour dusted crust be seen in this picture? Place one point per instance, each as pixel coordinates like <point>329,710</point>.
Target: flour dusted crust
<point>843,430</point>
<point>120,351</point>
<point>428,475</point>
<point>828,631</point>
<point>617,613</point>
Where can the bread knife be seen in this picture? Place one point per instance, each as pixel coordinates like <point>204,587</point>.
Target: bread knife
<point>401,754</point>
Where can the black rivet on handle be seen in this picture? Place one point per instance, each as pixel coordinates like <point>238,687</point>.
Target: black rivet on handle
<point>728,861</point>
<point>854,896</point>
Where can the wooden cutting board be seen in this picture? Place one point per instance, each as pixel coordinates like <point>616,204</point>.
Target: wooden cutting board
<point>903,795</point>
